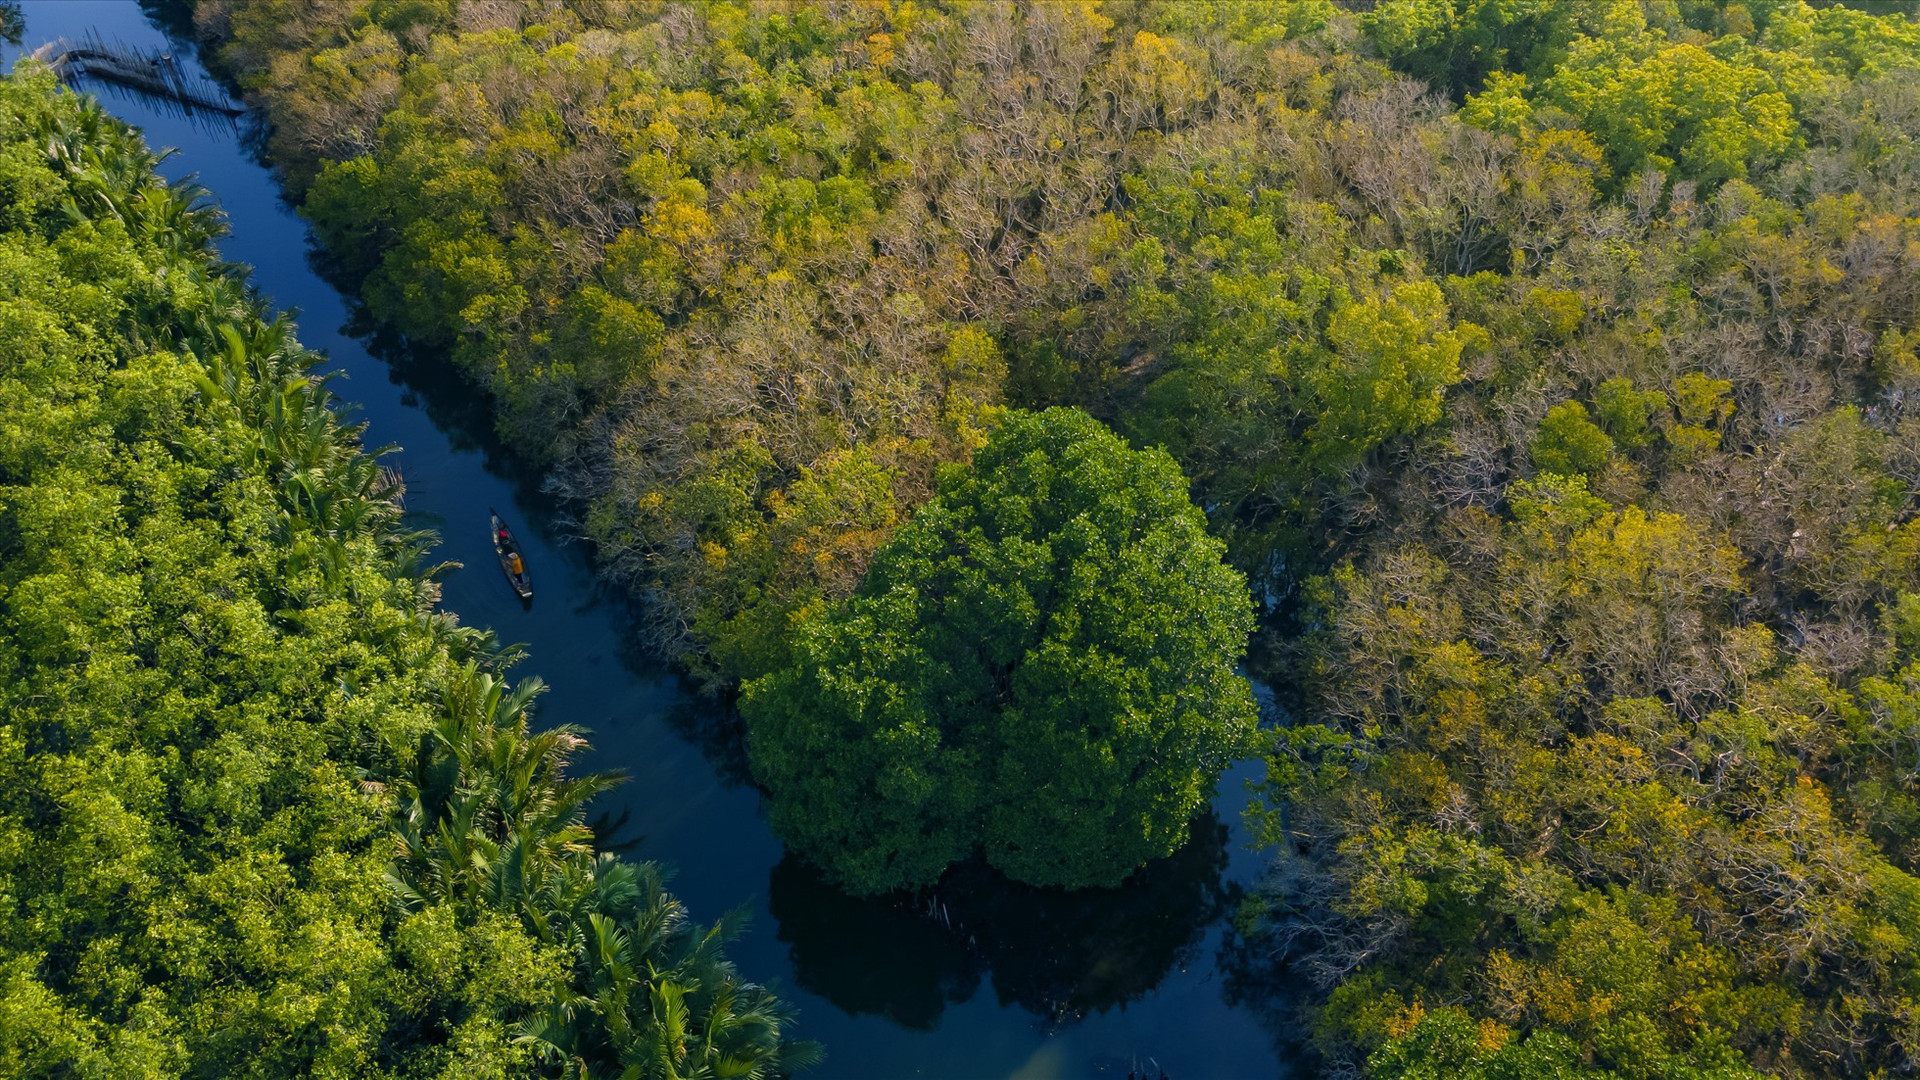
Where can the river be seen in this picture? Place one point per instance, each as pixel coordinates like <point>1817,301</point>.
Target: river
<point>996,981</point>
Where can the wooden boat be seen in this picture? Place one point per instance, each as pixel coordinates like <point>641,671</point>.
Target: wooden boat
<point>512,560</point>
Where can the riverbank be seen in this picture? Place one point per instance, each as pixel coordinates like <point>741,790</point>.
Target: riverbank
<point>1016,984</point>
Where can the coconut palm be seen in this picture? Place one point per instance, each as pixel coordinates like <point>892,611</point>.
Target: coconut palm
<point>486,811</point>
<point>489,821</point>
<point>654,996</point>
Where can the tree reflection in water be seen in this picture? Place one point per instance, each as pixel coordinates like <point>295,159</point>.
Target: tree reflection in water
<point>1256,975</point>
<point>1058,954</point>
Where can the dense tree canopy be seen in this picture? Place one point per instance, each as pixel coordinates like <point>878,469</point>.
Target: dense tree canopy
<point>1041,663</point>
<point>1548,367</point>
<point>746,274</point>
<point>265,811</point>
<point>1593,766</point>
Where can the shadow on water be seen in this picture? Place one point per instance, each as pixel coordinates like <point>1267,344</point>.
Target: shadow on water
<point>1085,984</point>
<point>433,383</point>
<point>713,726</point>
<point>616,834</point>
<point>1269,979</point>
<point>174,18</point>
<point>1059,955</point>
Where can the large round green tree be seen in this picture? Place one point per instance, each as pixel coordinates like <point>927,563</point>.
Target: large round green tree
<point>1041,664</point>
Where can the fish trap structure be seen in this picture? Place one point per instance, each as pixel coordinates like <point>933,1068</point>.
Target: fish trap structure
<point>154,75</point>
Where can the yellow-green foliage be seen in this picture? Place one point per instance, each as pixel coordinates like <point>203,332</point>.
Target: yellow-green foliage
<point>228,709</point>
<point>699,255</point>
<point>1548,366</point>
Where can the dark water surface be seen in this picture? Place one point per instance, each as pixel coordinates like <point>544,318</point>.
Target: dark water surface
<point>997,980</point>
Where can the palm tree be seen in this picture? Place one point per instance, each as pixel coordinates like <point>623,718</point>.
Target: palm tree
<point>331,490</point>
<point>654,997</point>
<point>489,821</point>
<point>487,812</point>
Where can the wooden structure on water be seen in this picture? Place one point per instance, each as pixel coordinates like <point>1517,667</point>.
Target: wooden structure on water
<point>151,73</point>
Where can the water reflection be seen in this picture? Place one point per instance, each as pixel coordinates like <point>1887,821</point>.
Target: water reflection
<point>869,957</point>
<point>714,727</point>
<point>433,384</point>
<point>673,806</point>
<point>1258,975</point>
<point>1059,955</point>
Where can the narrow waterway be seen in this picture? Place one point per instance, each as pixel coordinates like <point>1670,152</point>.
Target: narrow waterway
<point>995,981</point>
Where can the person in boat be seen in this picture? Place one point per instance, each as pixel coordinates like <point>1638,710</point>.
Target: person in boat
<point>513,561</point>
